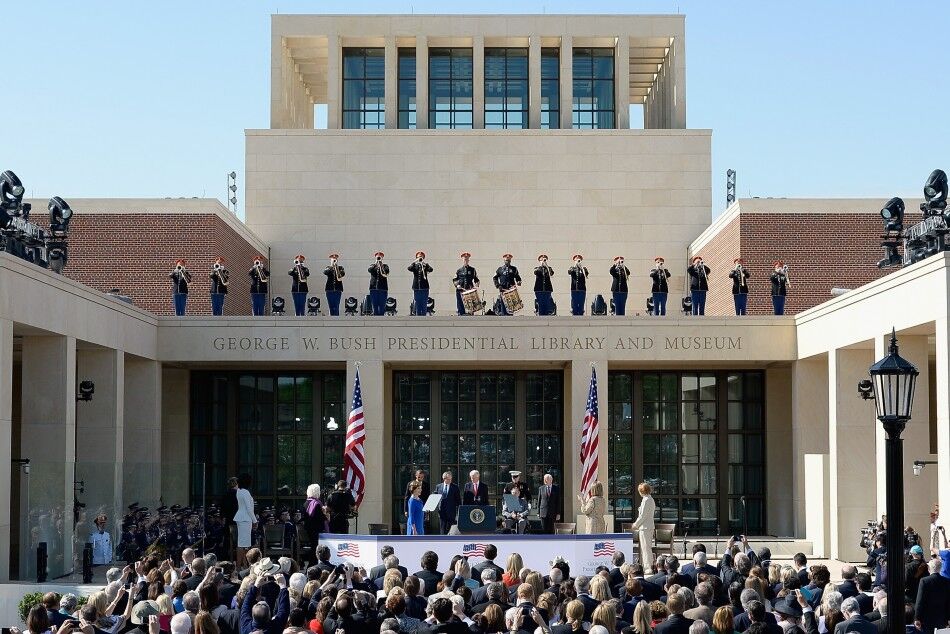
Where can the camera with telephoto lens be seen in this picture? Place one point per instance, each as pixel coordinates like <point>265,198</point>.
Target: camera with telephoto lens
<point>868,534</point>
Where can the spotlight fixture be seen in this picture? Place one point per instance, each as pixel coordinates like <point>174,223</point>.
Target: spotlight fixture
<point>920,464</point>
<point>649,305</point>
<point>313,306</point>
<point>598,306</point>
<point>350,306</point>
<point>935,192</point>
<point>277,306</point>
<point>687,305</point>
<point>430,306</point>
<point>891,256</point>
<point>391,306</point>
<point>231,196</point>
<point>730,186</point>
<point>11,190</point>
<point>332,425</point>
<point>866,389</point>
<point>613,306</point>
<point>86,390</point>
<point>893,215</point>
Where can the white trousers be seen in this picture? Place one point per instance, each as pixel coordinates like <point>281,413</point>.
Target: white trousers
<point>646,549</point>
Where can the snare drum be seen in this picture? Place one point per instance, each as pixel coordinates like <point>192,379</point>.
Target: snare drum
<point>512,300</point>
<point>471,302</point>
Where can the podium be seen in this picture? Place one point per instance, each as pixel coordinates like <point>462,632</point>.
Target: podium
<point>476,519</point>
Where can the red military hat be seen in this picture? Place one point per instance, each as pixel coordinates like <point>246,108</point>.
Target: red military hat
<point>542,255</point>
<point>465,254</point>
<point>778,263</point>
<point>659,258</point>
<point>618,257</point>
<point>696,258</point>
<point>577,256</point>
<point>507,255</point>
<point>259,257</point>
<point>420,253</point>
<point>179,261</point>
<point>219,260</point>
<point>334,255</point>
<point>379,254</point>
<point>739,261</point>
<point>300,257</point>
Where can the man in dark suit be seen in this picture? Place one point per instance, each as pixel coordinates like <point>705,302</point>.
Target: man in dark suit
<point>480,594</point>
<point>801,566</point>
<point>933,598</point>
<point>675,623</point>
<point>429,575</point>
<point>475,490</point>
<point>582,587</point>
<point>449,504</point>
<point>855,621</point>
<point>755,613</point>
<point>229,508</point>
<point>491,551</point>
<point>650,590</point>
<point>378,571</point>
<point>847,588</point>
<point>549,503</point>
<point>614,576</point>
<point>444,623</point>
<point>494,595</point>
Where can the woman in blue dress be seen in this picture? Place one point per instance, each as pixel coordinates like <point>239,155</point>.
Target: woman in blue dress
<point>414,523</point>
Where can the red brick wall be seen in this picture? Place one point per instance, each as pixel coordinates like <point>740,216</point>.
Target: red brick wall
<point>821,250</point>
<point>135,253</point>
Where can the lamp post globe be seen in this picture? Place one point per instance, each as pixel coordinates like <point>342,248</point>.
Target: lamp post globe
<point>894,379</point>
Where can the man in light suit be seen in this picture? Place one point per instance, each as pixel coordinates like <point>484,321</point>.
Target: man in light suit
<point>549,503</point>
<point>645,525</point>
<point>449,504</point>
<point>475,490</point>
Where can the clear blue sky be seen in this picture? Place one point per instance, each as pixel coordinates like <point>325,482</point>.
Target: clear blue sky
<point>808,98</point>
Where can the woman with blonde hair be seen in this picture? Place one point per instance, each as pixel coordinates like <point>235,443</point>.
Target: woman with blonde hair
<point>605,614</point>
<point>642,618</point>
<point>392,579</point>
<point>494,619</point>
<point>600,588</point>
<point>512,570</point>
<point>644,524</point>
<point>573,619</point>
<point>722,621</point>
<point>535,581</point>
<point>205,623</point>
<point>594,506</point>
<point>165,612</point>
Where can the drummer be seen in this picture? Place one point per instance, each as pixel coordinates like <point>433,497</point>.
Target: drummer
<point>506,277</point>
<point>465,279</point>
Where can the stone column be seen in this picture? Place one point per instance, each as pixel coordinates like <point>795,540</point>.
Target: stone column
<point>851,445</point>
<point>6,437</point>
<point>677,87</point>
<point>920,492</point>
<point>779,459</point>
<point>943,414</point>
<point>622,82</point>
<point>372,385</point>
<point>567,82</point>
<point>142,434</point>
<point>334,83</point>
<point>478,82</point>
<point>392,82</point>
<point>175,430</point>
<point>48,431</point>
<point>534,82</point>
<point>422,82</point>
<point>809,427</point>
<point>99,438</point>
<point>577,386</point>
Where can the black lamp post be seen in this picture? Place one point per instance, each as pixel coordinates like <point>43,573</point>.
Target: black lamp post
<point>894,379</point>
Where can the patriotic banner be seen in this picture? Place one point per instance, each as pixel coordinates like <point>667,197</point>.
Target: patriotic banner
<point>354,455</point>
<point>590,439</point>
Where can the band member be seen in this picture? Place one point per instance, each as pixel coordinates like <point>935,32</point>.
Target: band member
<point>542,286</point>
<point>476,492</point>
<point>661,286</point>
<point>260,277</point>
<point>506,276</point>
<point>780,284</point>
<point>618,287</point>
<point>299,288</point>
<point>465,279</point>
<point>420,270</point>
<point>378,284</point>
<point>549,503</point>
<point>181,278</point>
<point>578,274</point>
<point>698,284</point>
<point>515,516</point>
<point>335,274</point>
<point>740,285</point>
<point>219,286</point>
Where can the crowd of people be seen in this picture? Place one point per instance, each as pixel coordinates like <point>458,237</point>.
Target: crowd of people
<point>744,591</point>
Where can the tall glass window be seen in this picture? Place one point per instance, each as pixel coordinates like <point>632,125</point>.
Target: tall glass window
<point>593,96</point>
<point>544,422</point>
<point>506,88</point>
<point>364,103</point>
<point>450,88</point>
<point>698,438</point>
<point>550,88</point>
<point>407,88</point>
<point>412,434</point>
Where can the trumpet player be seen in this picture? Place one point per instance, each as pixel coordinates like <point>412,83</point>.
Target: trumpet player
<point>618,287</point>
<point>299,288</point>
<point>219,286</point>
<point>181,278</point>
<point>506,276</point>
<point>661,285</point>
<point>465,280</point>
<point>260,279</point>
<point>698,284</point>
<point>740,285</point>
<point>378,284</point>
<point>578,274</point>
<point>780,285</point>
<point>334,286</point>
<point>420,270</point>
<point>542,286</point>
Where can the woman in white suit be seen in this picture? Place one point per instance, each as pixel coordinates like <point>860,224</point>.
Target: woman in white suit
<point>244,518</point>
<point>645,526</point>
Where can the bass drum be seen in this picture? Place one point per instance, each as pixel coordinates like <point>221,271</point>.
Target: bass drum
<point>512,300</point>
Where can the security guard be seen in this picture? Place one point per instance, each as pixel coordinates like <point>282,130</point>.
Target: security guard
<point>618,287</point>
<point>543,287</point>
<point>181,278</point>
<point>299,288</point>
<point>740,285</point>
<point>378,284</point>
<point>260,279</point>
<point>219,286</point>
<point>661,285</point>
<point>420,270</point>
<point>506,277</point>
<point>334,287</point>
<point>465,279</point>
<point>578,274</point>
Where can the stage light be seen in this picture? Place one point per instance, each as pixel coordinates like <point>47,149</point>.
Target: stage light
<point>11,190</point>
<point>866,389</point>
<point>232,175</point>
<point>893,215</point>
<point>613,307</point>
<point>649,305</point>
<point>277,306</point>
<point>935,190</point>
<point>350,306</point>
<point>59,215</point>
<point>687,305</point>
<point>430,306</point>
<point>332,425</point>
<point>891,256</point>
<point>391,306</point>
<point>598,306</point>
<point>86,390</point>
<point>313,306</point>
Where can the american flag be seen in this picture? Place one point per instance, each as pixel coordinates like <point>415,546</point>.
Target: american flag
<point>354,457</point>
<point>474,550</point>
<point>603,549</point>
<point>348,549</point>
<point>589,437</point>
